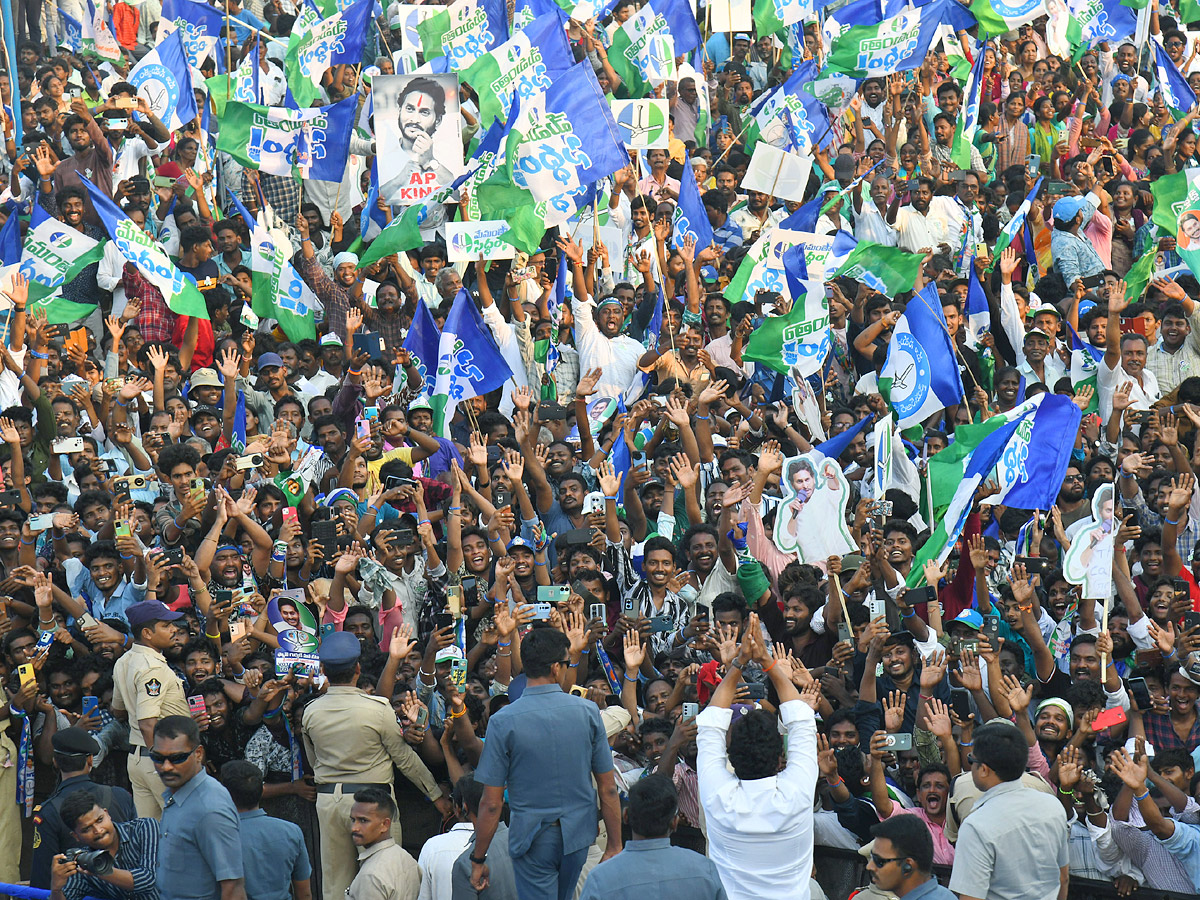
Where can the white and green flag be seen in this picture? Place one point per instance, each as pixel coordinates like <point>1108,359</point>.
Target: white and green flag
<point>463,31</point>
<point>332,41</point>
<point>54,254</point>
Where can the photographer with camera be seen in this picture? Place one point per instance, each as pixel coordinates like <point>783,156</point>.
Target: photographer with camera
<point>114,860</point>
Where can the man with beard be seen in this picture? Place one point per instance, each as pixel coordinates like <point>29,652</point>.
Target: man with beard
<point>420,109</point>
<point>900,673</point>
<point>602,346</point>
<point>711,563</point>
<point>92,159</point>
<point>385,319</point>
<point>910,220</point>
<point>933,790</point>
<point>99,581</point>
<point>1072,503</point>
<point>800,604</point>
<point>338,294</point>
<point>201,661</point>
<point>272,387</point>
<point>1147,551</point>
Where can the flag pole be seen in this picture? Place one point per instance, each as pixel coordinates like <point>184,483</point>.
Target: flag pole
<point>228,53</point>
<point>953,343</point>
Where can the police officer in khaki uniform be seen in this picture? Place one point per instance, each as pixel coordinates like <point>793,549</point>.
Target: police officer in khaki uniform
<point>146,690</point>
<point>352,740</point>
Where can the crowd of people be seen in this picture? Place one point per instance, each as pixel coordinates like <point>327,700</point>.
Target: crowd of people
<point>654,614</point>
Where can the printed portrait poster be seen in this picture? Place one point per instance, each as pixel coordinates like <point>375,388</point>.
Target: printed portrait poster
<point>1088,562</point>
<point>811,521</point>
<point>418,134</point>
<point>292,621</point>
<point>1189,231</point>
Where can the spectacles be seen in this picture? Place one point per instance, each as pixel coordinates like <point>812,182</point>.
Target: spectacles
<point>564,662</point>
<point>1073,478</point>
<point>175,759</point>
<point>880,861</point>
<point>971,759</point>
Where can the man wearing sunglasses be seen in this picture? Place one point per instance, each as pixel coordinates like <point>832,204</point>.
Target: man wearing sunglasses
<point>200,851</point>
<point>901,859</point>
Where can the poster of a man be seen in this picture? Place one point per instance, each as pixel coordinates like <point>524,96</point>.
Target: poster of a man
<point>1189,230</point>
<point>1088,561</point>
<point>418,135</point>
<point>811,521</point>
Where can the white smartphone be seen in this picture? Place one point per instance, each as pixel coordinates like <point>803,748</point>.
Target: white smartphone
<point>68,445</point>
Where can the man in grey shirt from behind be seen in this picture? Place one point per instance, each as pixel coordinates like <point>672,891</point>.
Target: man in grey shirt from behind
<point>1013,845</point>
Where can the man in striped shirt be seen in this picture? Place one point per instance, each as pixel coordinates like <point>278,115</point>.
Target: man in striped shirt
<point>132,849</point>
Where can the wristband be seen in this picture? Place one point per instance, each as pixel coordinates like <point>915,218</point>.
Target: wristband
<point>909,614</point>
<point>424,522</point>
<point>702,418</point>
<point>630,680</point>
<point>926,696</point>
<point>1170,521</point>
<point>536,563</point>
<point>453,509</point>
<point>833,783</point>
<point>966,743</point>
<point>37,355</point>
<point>1066,793</point>
<point>373,509</point>
<point>457,715</point>
<point>1170,655</point>
<point>27,543</point>
<point>614,499</point>
<point>212,637</point>
<point>571,665</point>
<point>175,522</point>
<point>770,667</point>
<point>117,400</point>
<point>506,644</point>
<point>1143,796</point>
<point>477,861</point>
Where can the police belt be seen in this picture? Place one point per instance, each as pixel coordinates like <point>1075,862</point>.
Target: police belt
<point>350,787</point>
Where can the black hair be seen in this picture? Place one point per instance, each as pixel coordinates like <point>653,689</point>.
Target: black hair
<point>541,649</point>
<point>468,793</point>
<point>653,804</point>
<point>729,601</point>
<point>378,797</point>
<point>76,805</point>
<point>100,549</point>
<point>178,726</point>
<point>1001,747</point>
<point>911,838</point>
<point>244,781</point>
<point>193,235</point>
<point>755,745</point>
<point>170,457</point>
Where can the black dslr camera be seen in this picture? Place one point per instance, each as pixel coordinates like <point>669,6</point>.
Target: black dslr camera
<point>96,862</point>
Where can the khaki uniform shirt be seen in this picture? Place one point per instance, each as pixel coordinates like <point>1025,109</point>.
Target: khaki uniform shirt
<point>146,688</point>
<point>385,872</point>
<point>353,736</point>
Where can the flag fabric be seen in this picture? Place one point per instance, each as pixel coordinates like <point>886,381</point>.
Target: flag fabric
<point>1186,230</point>
<point>468,362</point>
<point>838,444</point>
<point>163,79</point>
<point>645,46</point>
<point>1090,22</point>
<point>997,17</point>
<point>773,16</point>
<point>372,220</point>
<point>96,35</point>
<point>807,122</point>
<point>525,11</point>
<point>421,342</point>
<point>464,31</point>
<point>1170,197</point>
<point>278,292</point>
<point>560,140</point>
<point>241,85</point>
<point>272,138</point>
<point>1137,279</point>
<point>980,462</point>
<point>178,289</point>
<point>689,216</point>
<point>198,24</point>
<point>1189,11</point>
<point>920,376</point>
<point>979,316</point>
<point>335,40</point>
<point>896,44</point>
<point>54,254</point>
<point>1029,479</point>
<point>888,270</point>
<point>404,231</point>
<point>1015,224</point>
<point>798,342</point>
<point>1085,363</point>
<point>72,32</point>
<point>1177,93</point>
<point>968,119</point>
<point>525,64</point>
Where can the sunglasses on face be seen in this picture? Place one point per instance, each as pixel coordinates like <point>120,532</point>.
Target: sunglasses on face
<point>175,759</point>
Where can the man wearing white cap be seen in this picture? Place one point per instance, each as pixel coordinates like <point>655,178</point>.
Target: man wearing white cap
<point>337,294</point>
<point>1040,364</point>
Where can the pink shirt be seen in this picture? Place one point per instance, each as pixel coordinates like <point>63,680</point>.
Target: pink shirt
<point>943,850</point>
